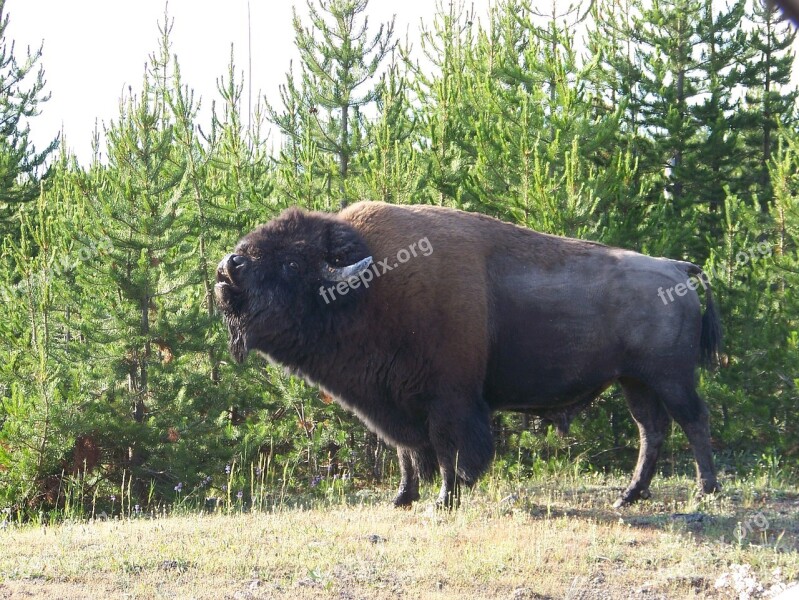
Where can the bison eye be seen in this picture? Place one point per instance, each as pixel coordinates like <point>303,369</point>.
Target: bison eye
<point>294,266</point>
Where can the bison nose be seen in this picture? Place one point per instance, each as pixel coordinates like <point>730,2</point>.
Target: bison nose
<point>228,265</point>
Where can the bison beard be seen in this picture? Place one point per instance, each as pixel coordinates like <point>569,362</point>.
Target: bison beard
<point>497,317</point>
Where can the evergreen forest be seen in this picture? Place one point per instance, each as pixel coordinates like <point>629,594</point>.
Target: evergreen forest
<point>669,127</point>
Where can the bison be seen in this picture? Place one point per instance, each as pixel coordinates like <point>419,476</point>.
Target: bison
<point>424,320</point>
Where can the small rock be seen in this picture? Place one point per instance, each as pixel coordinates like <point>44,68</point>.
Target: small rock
<point>645,588</point>
<point>689,517</point>
<point>598,578</point>
<point>524,593</point>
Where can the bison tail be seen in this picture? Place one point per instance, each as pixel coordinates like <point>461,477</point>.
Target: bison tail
<point>710,338</point>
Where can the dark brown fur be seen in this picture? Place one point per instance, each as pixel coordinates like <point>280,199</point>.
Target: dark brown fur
<point>495,317</point>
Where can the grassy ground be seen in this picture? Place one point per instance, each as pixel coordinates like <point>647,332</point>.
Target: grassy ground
<point>554,538</point>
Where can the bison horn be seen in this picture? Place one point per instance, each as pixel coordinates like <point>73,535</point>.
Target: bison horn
<point>345,273</point>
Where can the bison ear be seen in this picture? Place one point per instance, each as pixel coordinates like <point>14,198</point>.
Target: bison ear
<point>344,245</point>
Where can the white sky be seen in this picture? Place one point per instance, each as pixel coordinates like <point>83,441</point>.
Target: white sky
<point>94,49</point>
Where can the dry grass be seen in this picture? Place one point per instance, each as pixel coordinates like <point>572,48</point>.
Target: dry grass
<point>550,539</point>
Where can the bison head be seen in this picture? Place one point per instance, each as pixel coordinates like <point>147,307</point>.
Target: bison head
<point>269,288</point>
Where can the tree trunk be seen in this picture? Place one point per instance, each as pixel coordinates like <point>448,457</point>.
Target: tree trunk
<point>343,156</point>
<point>141,390</point>
<point>765,179</point>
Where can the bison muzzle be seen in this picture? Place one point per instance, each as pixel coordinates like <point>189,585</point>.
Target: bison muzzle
<point>495,317</point>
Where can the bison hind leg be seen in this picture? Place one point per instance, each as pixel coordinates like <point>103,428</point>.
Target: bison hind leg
<point>690,411</point>
<point>653,421</point>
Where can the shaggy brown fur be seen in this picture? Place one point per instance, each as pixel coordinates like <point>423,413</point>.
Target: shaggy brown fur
<point>493,317</point>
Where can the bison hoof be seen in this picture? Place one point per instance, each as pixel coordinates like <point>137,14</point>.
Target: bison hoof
<point>405,499</point>
<point>631,496</point>
<point>443,505</point>
<point>621,502</point>
<point>710,487</point>
<point>447,502</point>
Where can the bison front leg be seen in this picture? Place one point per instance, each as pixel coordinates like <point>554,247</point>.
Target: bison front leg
<point>460,432</point>
<point>416,464</point>
<point>408,491</point>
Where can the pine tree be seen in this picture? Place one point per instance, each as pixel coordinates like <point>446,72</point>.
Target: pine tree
<point>716,162</point>
<point>141,199</point>
<point>444,115</point>
<point>617,96</point>
<point>654,60</point>
<point>229,180</point>
<point>389,167</point>
<point>340,60</point>
<point>532,150</point>
<point>615,79</point>
<point>230,176</point>
<point>241,170</point>
<point>22,166</point>
<point>781,306</point>
<point>666,38</point>
<point>42,377</point>
<point>770,103</point>
<point>304,174</point>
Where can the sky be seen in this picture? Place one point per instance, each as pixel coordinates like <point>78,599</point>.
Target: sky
<point>95,49</point>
